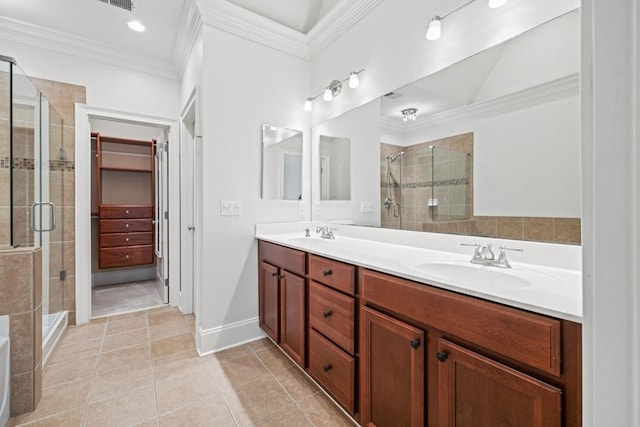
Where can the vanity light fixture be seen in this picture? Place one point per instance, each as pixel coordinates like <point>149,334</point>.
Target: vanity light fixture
<point>409,114</point>
<point>434,29</point>
<point>334,89</point>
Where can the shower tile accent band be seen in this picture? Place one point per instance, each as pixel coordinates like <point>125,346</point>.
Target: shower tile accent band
<point>29,164</point>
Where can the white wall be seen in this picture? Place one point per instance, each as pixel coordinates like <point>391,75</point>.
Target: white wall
<point>108,86</point>
<point>389,43</point>
<point>362,127</point>
<point>192,75</point>
<point>244,85</point>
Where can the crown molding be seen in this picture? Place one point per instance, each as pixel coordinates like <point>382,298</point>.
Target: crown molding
<point>189,30</point>
<point>58,41</point>
<point>336,23</point>
<point>238,21</point>
<point>563,87</point>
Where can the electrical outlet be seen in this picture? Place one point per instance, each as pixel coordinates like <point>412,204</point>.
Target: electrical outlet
<point>432,202</point>
<point>230,207</point>
<point>366,207</point>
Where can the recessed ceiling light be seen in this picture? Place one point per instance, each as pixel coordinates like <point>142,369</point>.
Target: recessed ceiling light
<point>136,26</point>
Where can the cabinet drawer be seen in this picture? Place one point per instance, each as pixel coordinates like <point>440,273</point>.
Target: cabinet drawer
<point>125,225</point>
<point>286,258</point>
<point>125,239</point>
<point>336,274</point>
<point>125,211</point>
<point>332,314</point>
<point>333,369</point>
<point>525,337</point>
<point>125,257</point>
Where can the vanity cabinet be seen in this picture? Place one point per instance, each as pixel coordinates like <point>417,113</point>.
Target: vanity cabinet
<point>282,299</point>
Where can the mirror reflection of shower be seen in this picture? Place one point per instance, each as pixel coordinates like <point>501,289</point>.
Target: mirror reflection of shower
<point>393,203</point>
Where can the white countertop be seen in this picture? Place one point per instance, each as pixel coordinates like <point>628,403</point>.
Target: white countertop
<point>543,289</point>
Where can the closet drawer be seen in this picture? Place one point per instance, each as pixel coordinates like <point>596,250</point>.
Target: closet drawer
<point>125,239</point>
<point>336,274</point>
<point>125,225</point>
<point>125,257</point>
<point>333,369</point>
<point>126,211</point>
<point>332,314</point>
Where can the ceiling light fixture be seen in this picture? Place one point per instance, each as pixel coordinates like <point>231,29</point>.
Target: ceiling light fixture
<point>136,26</point>
<point>409,114</point>
<point>434,29</point>
<point>334,89</point>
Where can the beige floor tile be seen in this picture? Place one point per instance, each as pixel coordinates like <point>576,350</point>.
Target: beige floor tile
<point>274,359</point>
<point>76,351</point>
<point>76,334</point>
<point>72,418</point>
<point>126,325</point>
<point>69,371</point>
<point>126,339</point>
<point>288,417</point>
<point>124,316</point>
<point>178,391</point>
<point>126,358</point>
<point>168,346</point>
<point>232,353</point>
<point>297,384</point>
<point>127,409</point>
<point>153,422</point>
<point>251,404</point>
<point>58,399</point>
<point>236,373</point>
<point>169,329</point>
<point>178,364</point>
<point>118,382</point>
<point>260,344</point>
<point>164,317</point>
<point>210,412</point>
<point>323,413</point>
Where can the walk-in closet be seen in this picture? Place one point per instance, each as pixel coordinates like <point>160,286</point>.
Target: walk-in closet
<point>128,192</point>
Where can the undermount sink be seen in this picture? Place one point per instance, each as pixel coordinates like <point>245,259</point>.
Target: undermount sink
<point>467,274</point>
<point>306,240</point>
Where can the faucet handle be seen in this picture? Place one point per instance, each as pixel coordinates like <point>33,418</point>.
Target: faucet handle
<point>503,249</point>
<point>476,253</point>
<point>306,232</point>
<point>502,258</point>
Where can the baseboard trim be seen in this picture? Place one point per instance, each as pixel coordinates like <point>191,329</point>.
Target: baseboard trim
<point>221,337</point>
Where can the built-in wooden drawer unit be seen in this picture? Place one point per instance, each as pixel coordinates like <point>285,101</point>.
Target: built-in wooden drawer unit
<point>332,273</point>
<point>125,225</point>
<point>129,211</point>
<point>125,239</point>
<point>333,368</point>
<point>125,257</point>
<point>526,337</point>
<point>332,314</point>
<point>285,258</point>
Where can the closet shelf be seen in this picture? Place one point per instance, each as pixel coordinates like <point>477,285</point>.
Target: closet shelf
<point>111,168</point>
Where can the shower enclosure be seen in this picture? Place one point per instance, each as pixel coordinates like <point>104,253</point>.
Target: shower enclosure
<point>31,183</point>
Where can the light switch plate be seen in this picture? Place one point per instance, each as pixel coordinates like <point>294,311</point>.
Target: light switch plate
<point>230,207</point>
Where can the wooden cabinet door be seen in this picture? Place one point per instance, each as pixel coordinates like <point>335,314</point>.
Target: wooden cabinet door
<point>392,371</point>
<point>292,310</point>
<point>475,391</point>
<point>269,300</point>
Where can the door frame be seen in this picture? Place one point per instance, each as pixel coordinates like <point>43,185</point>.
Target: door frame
<point>83,199</point>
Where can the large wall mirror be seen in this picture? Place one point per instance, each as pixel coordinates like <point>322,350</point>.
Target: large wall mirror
<point>489,146</point>
<point>281,163</point>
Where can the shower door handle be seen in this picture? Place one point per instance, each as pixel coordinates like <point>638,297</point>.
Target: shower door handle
<point>191,227</point>
<point>53,216</point>
<point>33,216</point>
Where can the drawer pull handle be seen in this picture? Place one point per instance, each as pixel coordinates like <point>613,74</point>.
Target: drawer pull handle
<point>126,239</point>
<point>127,211</point>
<point>327,273</point>
<point>415,344</point>
<point>274,274</point>
<point>442,356</point>
<point>281,276</point>
<point>326,314</point>
<point>327,367</point>
<point>126,225</point>
<point>126,256</point>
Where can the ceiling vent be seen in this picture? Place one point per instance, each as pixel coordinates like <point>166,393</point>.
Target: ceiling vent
<point>393,95</point>
<point>122,4</point>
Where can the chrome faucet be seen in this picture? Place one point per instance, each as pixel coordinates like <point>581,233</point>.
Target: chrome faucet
<point>484,255</point>
<point>326,232</point>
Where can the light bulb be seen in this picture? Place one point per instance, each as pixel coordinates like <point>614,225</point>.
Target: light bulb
<point>136,26</point>
<point>328,95</point>
<point>354,81</point>
<point>497,3</point>
<point>434,30</point>
<point>308,104</point>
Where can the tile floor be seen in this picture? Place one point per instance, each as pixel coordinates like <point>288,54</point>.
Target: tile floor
<point>124,297</point>
<point>141,369</point>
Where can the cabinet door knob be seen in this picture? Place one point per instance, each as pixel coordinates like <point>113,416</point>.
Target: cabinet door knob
<point>274,274</point>
<point>442,356</point>
<point>415,344</point>
<point>326,314</point>
<point>127,211</point>
<point>327,367</point>
<point>327,273</point>
<point>126,225</point>
<point>126,256</point>
<point>281,276</point>
<point>126,239</point>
